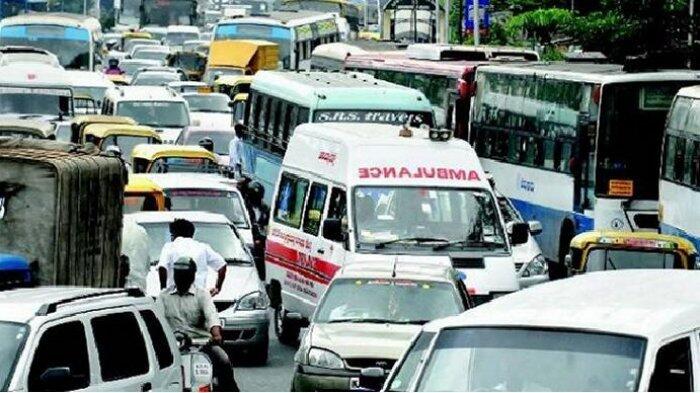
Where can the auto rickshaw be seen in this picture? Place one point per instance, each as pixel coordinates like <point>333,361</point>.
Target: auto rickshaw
<point>118,80</point>
<point>232,85</point>
<point>193,63</point>
<point>617,250</point>
<point>142,194</point>
<point>130,35</point>
<point>80,122</point>
<point>85,105</point>
<point>125,136</point>
<point>238,107</point>
<point>25,128</point>
<point>148,158</point>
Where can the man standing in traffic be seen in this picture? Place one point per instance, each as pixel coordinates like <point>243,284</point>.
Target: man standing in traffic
<point>190,310</point>
<point>183,245</point>
<point>235,152</point>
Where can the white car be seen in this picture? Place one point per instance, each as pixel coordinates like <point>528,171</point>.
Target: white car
<point>367,318</point>
<point>242,303</point>
<point>209,109</point>
<point>210,193</point>
<point>220,136</point>
<point>72,338</point>
<point>612,331</point>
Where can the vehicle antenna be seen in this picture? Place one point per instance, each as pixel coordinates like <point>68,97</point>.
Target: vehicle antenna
<point>393,268</point>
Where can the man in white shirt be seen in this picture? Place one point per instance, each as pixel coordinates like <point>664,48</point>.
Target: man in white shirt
<point>183,245</point>
<point>235,152</point>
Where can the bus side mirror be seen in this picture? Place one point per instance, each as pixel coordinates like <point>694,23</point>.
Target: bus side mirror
<point>535,227</point>
<point>333,230</point>
<point>519,233</point>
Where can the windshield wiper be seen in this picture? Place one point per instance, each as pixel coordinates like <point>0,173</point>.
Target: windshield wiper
<point>469,243</point>
<point>611,263</point>
<point>360,320</point>
<point>413,322</point>
<point>381,245</point>
<point>236,261</point>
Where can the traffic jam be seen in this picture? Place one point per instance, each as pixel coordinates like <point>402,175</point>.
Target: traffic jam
<point>246,195</point>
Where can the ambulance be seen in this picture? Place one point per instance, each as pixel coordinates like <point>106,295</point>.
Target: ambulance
<point>369,192</point>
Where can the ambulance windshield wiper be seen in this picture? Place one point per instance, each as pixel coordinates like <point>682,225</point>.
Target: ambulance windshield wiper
<point>381,245</point>
<point>469,243</point>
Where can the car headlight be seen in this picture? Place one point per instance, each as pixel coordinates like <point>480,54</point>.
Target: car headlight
<point>322,358</point>
<point>536,267</point>
<point>252,301</point>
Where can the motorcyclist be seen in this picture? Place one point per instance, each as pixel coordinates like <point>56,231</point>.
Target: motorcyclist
<point>190,310</point>
<point>113,68</point>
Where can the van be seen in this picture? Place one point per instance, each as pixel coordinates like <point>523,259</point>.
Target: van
<point>368,192</point>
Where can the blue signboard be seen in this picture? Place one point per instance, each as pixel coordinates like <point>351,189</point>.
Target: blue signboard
<point>484,21</point>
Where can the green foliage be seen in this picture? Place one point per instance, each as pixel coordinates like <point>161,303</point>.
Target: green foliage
<point>540,25</point>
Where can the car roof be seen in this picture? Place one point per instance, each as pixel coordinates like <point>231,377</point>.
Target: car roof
<point>89,79</point>
<point>144,93</point>
<point>650,303</point>
<point>155,151</point>
<point>401,270</point>
<point>23,304</point>
<point>613,237</point>
<point>168,216</point>
<point>170,181</point>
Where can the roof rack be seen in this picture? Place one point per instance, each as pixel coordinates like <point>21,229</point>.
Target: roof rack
<point>50,308</point>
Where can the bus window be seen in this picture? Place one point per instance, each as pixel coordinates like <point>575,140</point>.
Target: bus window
<point>303,116</point>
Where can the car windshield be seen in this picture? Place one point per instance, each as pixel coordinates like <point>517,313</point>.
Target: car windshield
<point>176,39</point>
<point>387,300</point>
<point>148,54</point>
<point>214,201</point>
<point>155,78</point>
<point>184,165</point>
<point>221,139</point>
<point>523,360</point>
<point>155,113</point>
<point>126,143</point>
<point>96,93</point>
<point>130,68</point>
<point>443,214</point>
<point>20,102</point>
<point>12,337</point>
<point>215,103</point>
<point>619,259</point>
<point>136,202</point>
<point>219,236</point>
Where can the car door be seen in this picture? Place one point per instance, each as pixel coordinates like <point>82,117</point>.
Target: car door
<point>123,361</point>
<point>673,368</point>
<point>337,209</point>
<point>319,256</point>
<point>165,354</point>
<point>60,345</point>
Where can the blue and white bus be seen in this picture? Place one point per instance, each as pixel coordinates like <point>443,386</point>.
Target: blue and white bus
<point>679,187</point>
<point>279,101</point>
<point>75,39</point>
<point>297,34</point>
<point>575,146</point>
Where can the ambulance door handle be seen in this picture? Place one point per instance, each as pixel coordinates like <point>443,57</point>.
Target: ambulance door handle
<point>321,251</point>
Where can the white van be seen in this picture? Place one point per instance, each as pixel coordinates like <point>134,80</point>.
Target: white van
<point>369,192</point>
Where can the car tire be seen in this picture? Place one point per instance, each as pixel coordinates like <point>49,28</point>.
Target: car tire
<point>259,353</point>
<point>287,330</point>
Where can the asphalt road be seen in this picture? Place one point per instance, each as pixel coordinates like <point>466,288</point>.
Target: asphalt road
<point>276,376</point>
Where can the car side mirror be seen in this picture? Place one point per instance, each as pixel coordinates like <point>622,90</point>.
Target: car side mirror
<point>333,230</point>
<point>57,378</point>
<point>231,104</point>
<point>371,379</point>
<point>519,233</point>
<point>535,227</point>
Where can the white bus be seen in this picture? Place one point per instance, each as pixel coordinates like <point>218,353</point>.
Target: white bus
<point>75,39</point>
<point>679,186</point>
<point>296,33</point>
<point>575,146</point>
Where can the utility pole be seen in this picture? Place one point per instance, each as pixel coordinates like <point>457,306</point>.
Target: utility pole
<point>475,13</point>
<point>447,19</point>
<point>572,5</point>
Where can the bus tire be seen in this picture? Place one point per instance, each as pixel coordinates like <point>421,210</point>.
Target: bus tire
<point>565,236</point>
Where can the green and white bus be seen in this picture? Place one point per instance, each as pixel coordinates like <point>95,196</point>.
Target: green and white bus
<point>279,101</point>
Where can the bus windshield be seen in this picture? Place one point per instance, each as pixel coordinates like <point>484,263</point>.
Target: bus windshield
<point>632,115</point>
<point>70,44</point>
<point>169,12</point>
<point>444,215</point>
<point>523,360</point>
<point>155,113</point>
<point>281,36</point>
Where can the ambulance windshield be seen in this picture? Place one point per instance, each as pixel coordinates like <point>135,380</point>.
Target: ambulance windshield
<point>390,217</point>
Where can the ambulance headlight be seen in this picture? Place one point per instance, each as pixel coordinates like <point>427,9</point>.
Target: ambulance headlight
<point>440,135</point>
<point>536,267</point>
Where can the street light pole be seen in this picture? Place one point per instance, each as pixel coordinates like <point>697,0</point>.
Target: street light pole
<point>475,13</point>
<point>691,35</point>
<point>447,19</point>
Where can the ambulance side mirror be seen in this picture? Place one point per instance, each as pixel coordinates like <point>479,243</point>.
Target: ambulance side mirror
<point>333,230</point>
<point>519,233</point>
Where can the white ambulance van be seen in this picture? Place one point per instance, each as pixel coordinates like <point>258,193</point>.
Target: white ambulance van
<point>367,192</point>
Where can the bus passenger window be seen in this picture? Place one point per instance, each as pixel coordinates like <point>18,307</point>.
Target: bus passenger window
<point>287,123</point>
<point>265,115</point>
<point>695,165</point>
<point>303,116</point>
<point>290,200</point>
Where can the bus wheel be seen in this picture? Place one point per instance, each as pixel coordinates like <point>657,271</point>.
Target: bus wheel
<point>287,330</point>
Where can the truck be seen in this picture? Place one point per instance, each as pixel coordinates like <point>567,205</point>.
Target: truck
<point>240,57</point>
<point>61,210</point>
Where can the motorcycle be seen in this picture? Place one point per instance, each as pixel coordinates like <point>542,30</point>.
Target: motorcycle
<point>197,368</point>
